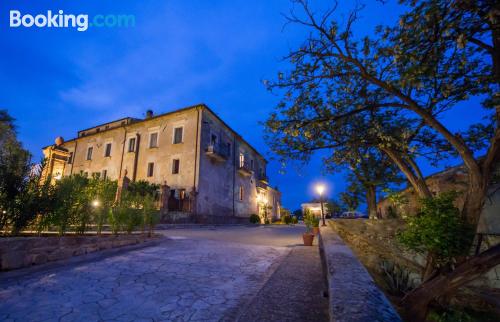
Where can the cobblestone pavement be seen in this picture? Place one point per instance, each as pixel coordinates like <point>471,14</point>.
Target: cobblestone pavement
<point>196,275</point>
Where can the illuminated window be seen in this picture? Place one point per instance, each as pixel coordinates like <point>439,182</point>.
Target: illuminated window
<point>242,160</point>
<point>241,193</point>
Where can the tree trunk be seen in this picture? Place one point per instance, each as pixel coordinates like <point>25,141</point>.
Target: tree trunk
<point>417,301</point>
<point>417,182</point>
<point>474,201</point>
<point>371,201</point>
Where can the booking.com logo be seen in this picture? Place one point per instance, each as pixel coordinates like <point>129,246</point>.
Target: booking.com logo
<point>61,20</point>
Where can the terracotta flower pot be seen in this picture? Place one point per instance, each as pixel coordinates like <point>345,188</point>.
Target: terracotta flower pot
<point>315,230</point>
<point>308,239</point>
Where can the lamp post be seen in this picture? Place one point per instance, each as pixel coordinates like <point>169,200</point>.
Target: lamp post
<point>320,189</point>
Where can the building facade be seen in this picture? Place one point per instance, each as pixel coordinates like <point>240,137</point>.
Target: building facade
<point>192,150</point>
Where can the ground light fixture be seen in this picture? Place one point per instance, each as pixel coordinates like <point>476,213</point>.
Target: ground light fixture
<point>96,203</point>
<point>320,189</point>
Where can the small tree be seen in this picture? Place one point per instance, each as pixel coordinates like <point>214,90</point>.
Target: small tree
<point>440,230</point>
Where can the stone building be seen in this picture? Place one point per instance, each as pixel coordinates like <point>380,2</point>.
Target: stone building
<point>212,173</point>
<point>314,208</point>
<point>452,179</point>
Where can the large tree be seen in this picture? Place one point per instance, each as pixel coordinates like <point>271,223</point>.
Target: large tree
<point>440,53</point>
<point>14,167</point>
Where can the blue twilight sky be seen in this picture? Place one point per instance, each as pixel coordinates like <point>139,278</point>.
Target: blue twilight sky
<point>57,81</point>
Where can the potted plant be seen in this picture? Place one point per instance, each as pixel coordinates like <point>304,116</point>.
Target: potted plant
<point>308,236</point>
<point>315,226</point>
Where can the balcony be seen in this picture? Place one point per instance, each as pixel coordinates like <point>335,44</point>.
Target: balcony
<point>216,152</point>
<point>262,182</point>
<point>244,169</point>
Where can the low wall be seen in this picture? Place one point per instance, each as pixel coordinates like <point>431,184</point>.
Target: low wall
<point>17,252</point>
<point>353,295</point>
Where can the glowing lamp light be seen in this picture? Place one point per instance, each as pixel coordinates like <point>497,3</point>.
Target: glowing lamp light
<point>320,188</point>
<point>96,203</point>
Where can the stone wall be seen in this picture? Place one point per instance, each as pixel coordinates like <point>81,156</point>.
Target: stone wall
<point>353,295</point>
<point>375,241</point>
<point>17,252</point>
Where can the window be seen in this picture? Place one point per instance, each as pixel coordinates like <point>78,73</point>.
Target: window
<point>229,149</point>
<point>104,174</point>
<point>89,152</point>
<point>242,160</point>
<point>107,152</point>
<point>153,140</point>
<point>175,166</point>
<point>241,193</point>
<point>131,145</point>
<point>251,164</point>
<point>178,135</point>
<point>213,139</point>
<point>70,158</point>
<point>151,167</point>
<point>182,194</point>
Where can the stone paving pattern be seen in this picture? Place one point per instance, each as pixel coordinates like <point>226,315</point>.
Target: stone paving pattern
<point>294,292</point>
<point>184,280</point>
<point>194,275</point>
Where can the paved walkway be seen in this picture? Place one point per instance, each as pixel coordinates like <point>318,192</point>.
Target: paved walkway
<point>294,292</point>
<point>195,275</point>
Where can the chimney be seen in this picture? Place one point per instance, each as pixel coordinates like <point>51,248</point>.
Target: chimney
<point>149,114</point>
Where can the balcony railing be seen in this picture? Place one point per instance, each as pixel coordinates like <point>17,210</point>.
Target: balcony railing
<point>217,152</point>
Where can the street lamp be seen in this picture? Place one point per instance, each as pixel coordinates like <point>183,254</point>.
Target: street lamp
<point>320,188</point>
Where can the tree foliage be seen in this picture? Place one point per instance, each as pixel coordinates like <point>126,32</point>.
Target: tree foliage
<point>389,90</point>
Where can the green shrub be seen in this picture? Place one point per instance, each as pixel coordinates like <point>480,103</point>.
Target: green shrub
<point>254,219</point>
<point>397,278</point>
<point>150,215</point>
<point>309,220</point>
<point>286,219</point>
<point>315,222</point>
<point>450,315</point>
<point>102,195</point>
<point>295,220</point>
<point>125,218</point>
<point>71,204</point>
<point>438,229</point>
